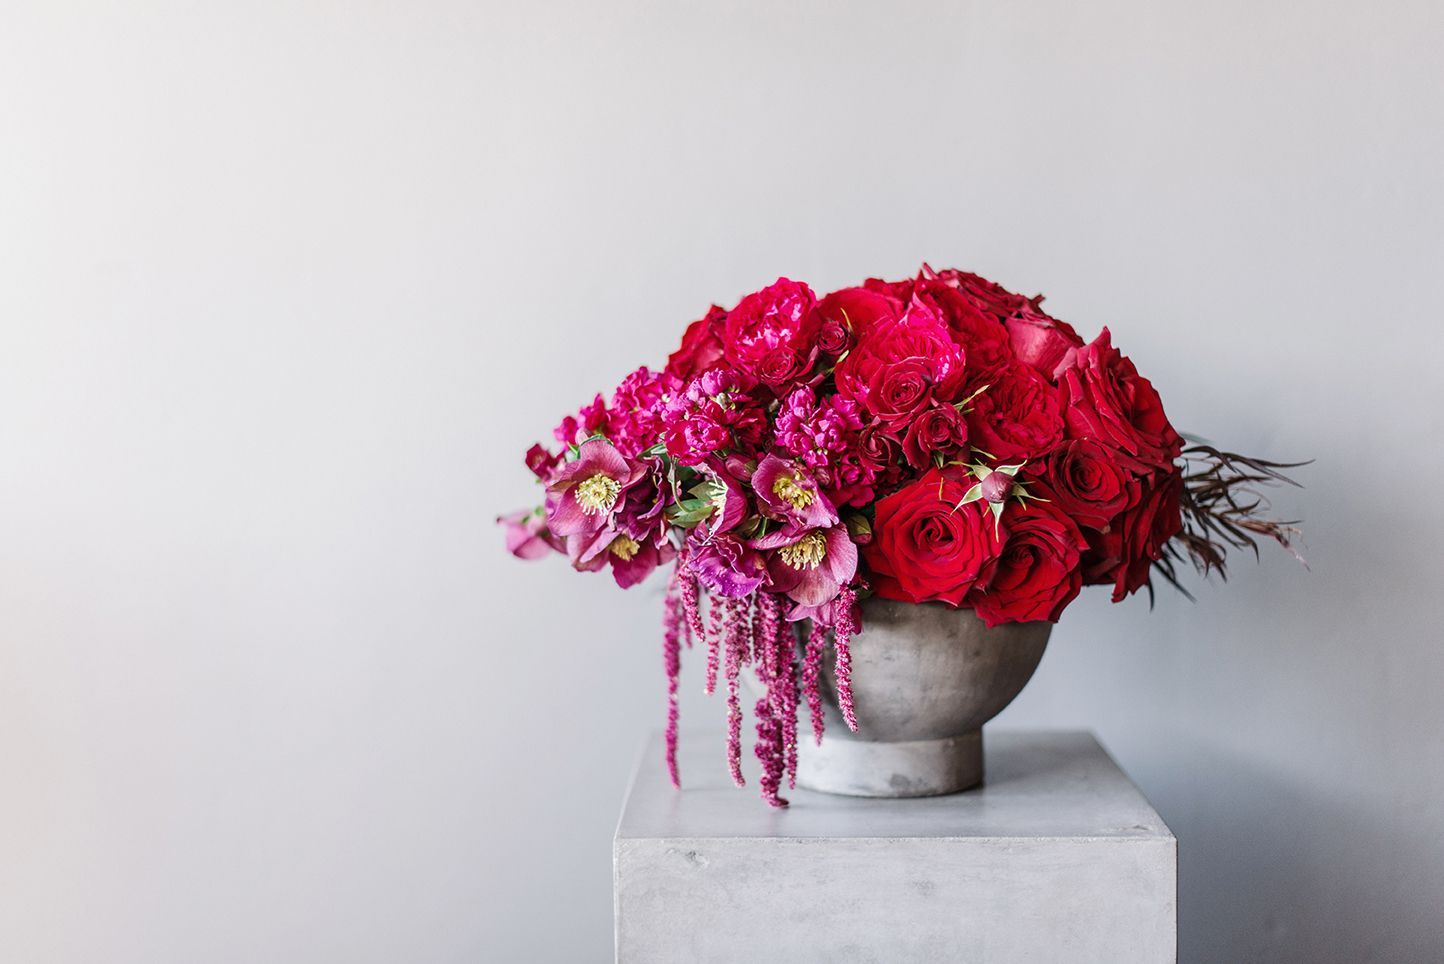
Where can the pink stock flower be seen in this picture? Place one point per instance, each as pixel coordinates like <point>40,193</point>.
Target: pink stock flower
<point>819,433</point>
<point>712,415</point>
<point>634,421</point>
<point>590,421</point>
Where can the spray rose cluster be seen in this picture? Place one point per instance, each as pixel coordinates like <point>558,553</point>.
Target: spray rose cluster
<point>938,438</point>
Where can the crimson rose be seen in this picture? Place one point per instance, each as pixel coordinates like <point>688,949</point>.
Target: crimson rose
<point>1088,483</point>
<point>1037,573</point>
<point>1040,340</point>
<point>1105,398</point>
<point>925,547</point>
<point>701,347</point>
<point>1017,418</point>
<point>1124,553</point>
<point>940,429</point>
<point>901,364</point>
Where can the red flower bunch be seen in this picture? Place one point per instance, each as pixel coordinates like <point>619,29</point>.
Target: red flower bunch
<point>934,439</point>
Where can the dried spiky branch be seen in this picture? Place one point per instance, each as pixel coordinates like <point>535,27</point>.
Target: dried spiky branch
<point>1223,509</point>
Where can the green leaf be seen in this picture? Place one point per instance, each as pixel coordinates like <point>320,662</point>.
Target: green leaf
<point>970,496</point>
<point>688,512</point>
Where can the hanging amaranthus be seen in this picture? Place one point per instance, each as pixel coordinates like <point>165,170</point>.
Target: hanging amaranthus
<point>749,633</point>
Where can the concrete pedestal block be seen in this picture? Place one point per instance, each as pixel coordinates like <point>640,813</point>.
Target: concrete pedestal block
<point>1057,857</point>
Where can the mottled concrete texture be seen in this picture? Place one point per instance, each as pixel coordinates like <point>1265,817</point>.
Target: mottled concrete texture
<point>1057,857</point>
<point>925,678</point>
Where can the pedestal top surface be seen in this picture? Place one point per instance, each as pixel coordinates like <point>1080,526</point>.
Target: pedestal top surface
<point>1037,784</point>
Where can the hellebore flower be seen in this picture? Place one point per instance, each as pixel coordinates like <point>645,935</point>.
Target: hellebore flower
<point>584,493</point>
<point>788,492</point>
<point>727,566</point>
<point>631,560</point>
<point>809,566</point>
<point>726,495</point>
<point>527,536</point>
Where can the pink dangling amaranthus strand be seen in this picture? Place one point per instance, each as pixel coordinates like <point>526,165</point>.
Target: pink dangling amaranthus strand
<point>811,677</point>
<point>845,626</point>
<point>752,631</point>
<point>673,626</point>
<point>691,608</point>
<point>734,629</point>
<point>785,646</point>
<point>716,611</point>
<point>771,741</point>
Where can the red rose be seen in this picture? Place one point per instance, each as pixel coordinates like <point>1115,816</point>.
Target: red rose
<point>973,326</point>
<point>858,309</point>
<point>778,316</point>
<point>901,291</point>
<point>939,429</point>
<point>900,364</point>
<point>989,297</point>
<point>701,346</point>
<point>899,391</point>
<point>883,454</point>
<point>925,547</point>
<point>833,337</point>
<point>1124,553</point>
<point>1088,483</point>
<point>1040,340</point>
<point>1017,418</point>
<point>1104,398</point>
<point>783,368</point>
<point>1037,574</point>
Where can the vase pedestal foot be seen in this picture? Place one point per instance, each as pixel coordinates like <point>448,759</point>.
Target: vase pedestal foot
<point>860,768</point>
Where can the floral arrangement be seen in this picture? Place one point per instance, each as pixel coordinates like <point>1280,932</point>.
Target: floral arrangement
<point>934,439</point>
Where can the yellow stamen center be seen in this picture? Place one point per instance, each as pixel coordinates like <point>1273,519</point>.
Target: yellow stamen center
<point>806,553</point>
<point>787,489</point>
<point>625,547</point>
<point>598,494</point>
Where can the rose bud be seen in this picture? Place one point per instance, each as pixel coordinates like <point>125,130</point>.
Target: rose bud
<point>997,486</point>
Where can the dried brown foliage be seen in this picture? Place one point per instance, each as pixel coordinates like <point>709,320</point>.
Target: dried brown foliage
<point>1223,509</point>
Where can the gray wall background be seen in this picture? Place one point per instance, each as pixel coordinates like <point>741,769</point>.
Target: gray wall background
<point>287,288</point>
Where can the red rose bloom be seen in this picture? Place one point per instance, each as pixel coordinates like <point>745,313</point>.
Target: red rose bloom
<point>926,548</point>
<point>779,316</point>
<point>1037,573</point>
<point>989,297</point>
<point>782,368</point>
<point>701,347</point>
<point>858,309</point>
<point>1104,398</point>
<point>901,364</point>
<point>1040,340</point>
<point>1017,418</point>
<point>1124,553</point>
<point>972,326</point>
<point>940,429</point>
<point>1088,483</point>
